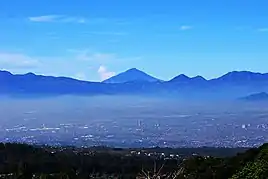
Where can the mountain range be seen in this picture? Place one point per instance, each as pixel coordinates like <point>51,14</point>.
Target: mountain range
<point>135,82</point>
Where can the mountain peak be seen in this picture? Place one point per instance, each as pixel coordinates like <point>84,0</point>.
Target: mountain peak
<point>199,78</point>
<point>134,70</point>
<point>131,75</point>
<point>5,75</point>
<point>30,74</point>
<point>5,72</point>
<point>242,76</point>
<point>183,78</point>
<point>239,73</point>
<point>180,78</point>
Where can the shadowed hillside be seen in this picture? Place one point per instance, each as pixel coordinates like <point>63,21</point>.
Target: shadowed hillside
<point>24,161</point>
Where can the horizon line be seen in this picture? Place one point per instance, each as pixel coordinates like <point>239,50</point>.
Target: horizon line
<point>44,75</point>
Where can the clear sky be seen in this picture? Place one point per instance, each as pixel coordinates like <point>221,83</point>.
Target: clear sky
<point>94,39</point>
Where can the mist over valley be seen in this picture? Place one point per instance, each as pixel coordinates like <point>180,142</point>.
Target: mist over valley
<point>133,121</point>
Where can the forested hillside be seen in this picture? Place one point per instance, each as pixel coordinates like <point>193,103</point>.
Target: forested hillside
<point>20,161</point>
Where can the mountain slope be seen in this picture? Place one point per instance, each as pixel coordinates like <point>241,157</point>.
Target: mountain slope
<point>130,76</point>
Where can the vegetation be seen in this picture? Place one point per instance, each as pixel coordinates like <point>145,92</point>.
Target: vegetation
<point>20,161</point>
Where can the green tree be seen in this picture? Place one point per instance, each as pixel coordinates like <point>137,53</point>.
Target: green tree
<point>253,170</point>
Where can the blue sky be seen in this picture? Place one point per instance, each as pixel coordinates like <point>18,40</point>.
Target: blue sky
<point>95,39</point>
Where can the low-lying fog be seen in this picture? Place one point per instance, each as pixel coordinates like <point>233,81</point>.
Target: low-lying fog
<point>127,121</point>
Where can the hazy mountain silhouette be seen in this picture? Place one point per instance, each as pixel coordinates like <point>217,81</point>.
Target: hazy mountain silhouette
<point>131,75</point>
<point>133,81</point>
<point>263,96</point>
<point>243,77</point>
<point>37,84</point>
<point>180,78</point>
<point>185,79</point>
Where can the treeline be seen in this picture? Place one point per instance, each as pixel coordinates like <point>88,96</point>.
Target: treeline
<point>21,158</point>
<point>20,161</point>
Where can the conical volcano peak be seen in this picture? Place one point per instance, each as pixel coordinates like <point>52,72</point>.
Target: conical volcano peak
<point>131,75</point>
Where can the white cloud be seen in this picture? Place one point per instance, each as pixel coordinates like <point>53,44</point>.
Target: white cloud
<point>79,20</point>
<point>263,29</point>
<point>47,18</point>
<point>104,73</point>
<point>185,27</point>
<point>80,76</point>
<point>57,18</point>
<point>107,33</point>
<point>17,60</point>
<point>86,55</point>
<point>101,58</point>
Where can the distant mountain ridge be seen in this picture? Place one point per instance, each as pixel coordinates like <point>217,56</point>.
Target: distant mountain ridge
<point>243,76</point>
<point>262,96</point>
<point>183,79</point>
<point>135,82</point>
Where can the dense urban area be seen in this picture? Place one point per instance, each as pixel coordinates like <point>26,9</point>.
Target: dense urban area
<point>135,125</point>
<point>244,135</point>
<point>56,139</point>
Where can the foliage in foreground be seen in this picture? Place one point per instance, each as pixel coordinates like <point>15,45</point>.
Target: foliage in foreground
<point>19,161</point>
